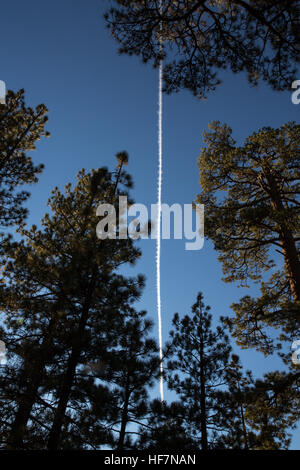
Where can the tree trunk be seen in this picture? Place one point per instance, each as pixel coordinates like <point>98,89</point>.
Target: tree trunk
<point>292,263</point>
<point>26,402</point>
<point>287,242</point>
<point>65,390</point>
<point>55,432</point>
<point>204,444</point>
<point>32,376</point>
<point>244,428</point>
<point>124,420</point>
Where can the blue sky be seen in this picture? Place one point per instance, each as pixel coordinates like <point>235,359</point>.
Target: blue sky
<point>100,103</point>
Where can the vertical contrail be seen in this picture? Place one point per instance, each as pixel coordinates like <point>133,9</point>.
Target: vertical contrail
<point>158,239</point>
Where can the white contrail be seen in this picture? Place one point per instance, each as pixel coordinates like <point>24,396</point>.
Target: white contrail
<point>158,239</point>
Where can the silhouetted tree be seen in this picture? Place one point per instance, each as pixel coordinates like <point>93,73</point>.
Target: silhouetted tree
<point>256,414</point>
<point>165,430</point>
<point>63,299</point>
<point>197,371</point>
<point>232,407</point>
<point>200,37</point>
<point>273,410</point>
<point>130,371</point>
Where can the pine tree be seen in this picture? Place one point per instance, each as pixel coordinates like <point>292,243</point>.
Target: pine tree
<point>165,429</point>
<point>272,411</point>
<point>199,38</point>
<point>20,128</point>
<point>256,414</point>
<point>62,299</point>
<point>197,371</point>
<point>251,193</point>
<point>129,371</point>
<point>233,407</point>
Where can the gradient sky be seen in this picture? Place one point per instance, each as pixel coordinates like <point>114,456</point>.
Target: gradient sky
<point>101,103</point>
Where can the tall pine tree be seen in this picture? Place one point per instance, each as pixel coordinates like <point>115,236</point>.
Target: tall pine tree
<point>61,287</point>
<point>252,197</point>
<point>197,371</point>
